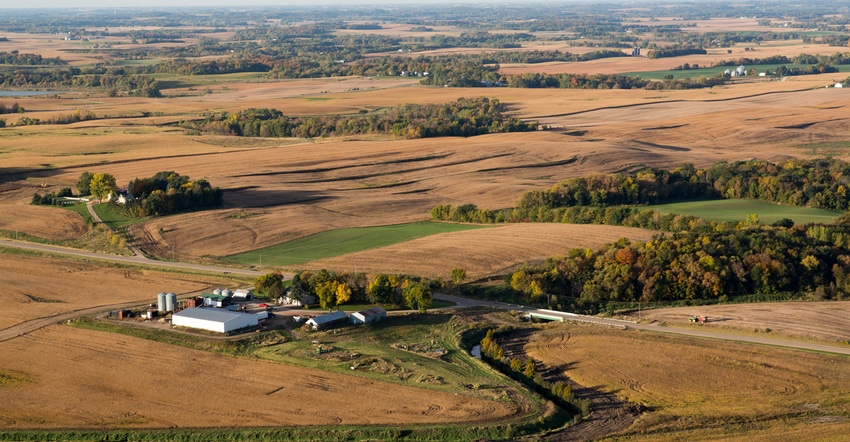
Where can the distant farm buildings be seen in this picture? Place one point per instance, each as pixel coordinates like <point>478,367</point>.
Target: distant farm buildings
<point>374,314</point>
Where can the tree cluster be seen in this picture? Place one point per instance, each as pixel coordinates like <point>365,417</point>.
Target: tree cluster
<point>16,58</point>
<point>13,109</point>
<point>464,117</point>
<point>675,52</point>
<point>52,198</point>
<point>169,192</point>
<point>704,264</point>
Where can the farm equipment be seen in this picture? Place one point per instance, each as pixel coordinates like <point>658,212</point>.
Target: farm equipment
<point>699,319</point>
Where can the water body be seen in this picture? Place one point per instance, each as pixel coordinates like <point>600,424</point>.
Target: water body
<point>28,93</point>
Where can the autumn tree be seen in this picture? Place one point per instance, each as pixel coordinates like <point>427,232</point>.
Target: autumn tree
<point>101,185</point>
<point>458,275</point>
<point>418,295</point>
<point>270,284</point>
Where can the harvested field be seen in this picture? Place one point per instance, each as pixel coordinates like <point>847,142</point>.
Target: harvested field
<point>704,389</point>
<point>828,321</point>
<point>482,252</point>
<point>151,385</point>
<point>36,287</point>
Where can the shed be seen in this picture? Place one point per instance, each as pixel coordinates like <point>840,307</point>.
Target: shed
<point>213,300</point>
<point>243,295</point>
<point>328,320</point>
<point>213,320</point>
<point>374,314</point>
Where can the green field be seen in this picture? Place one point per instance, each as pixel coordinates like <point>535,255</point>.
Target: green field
<point>713,71</point>
<point>82,210</point>
<point>342,241</point>
<point>737,210</point>
<point>111,216</point>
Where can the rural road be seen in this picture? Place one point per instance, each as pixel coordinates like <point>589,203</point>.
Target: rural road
<point>136,259</point>
<point>798,345</point>
<point>26,327</point>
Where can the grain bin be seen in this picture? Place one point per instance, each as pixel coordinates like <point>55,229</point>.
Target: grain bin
<point>170,302</point>
<point>217,292</point>
<point>160,302</point>
<point>226,293</point>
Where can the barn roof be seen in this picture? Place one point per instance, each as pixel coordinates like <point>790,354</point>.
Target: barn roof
<point>208,314</point>
<point>330,317</point>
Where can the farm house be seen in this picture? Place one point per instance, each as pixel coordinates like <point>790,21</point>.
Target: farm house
<point>213,320</point>
<point>328,320</point>
<point>374,314</point>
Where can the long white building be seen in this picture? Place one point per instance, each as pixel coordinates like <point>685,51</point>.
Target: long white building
<point>213,319</point>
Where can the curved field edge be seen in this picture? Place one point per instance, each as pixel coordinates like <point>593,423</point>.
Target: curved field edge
<point>733,210</point>
<point>337,242</point>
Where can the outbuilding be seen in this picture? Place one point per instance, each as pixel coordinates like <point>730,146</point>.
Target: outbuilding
<point>215,300</point>
<point>328,320</point>
<point>374,314</point>
<point>213,320</point>
<point>243,295</point>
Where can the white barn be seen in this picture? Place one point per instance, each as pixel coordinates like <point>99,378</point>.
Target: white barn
<point>374,314</point>
<point>213,319</point>
<point>328,320</point>
<point>243,295</point>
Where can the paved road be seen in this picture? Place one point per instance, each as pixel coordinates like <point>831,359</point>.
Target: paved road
<point>136,259</point>
<point>709,334</point>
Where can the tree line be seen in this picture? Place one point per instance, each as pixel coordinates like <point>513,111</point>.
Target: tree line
<point>333,289</point>
<point>16,58</point>
<point>169,192</point>
<point>464,117</point>
<point>704,263</point>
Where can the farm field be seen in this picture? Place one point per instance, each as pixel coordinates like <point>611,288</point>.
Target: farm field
<point>37,287</point>
<point>827,321</point>
<point>343,241</point>
<point>483,252</point>
<point>145,385</point>
<point>737,210</point>
<point>704,389</point>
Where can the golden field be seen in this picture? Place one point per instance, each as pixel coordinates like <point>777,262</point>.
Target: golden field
<point>701,389</point>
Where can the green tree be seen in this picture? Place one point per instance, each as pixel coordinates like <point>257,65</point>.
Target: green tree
<point>458,275</point>
<point>418,295</point>
<point>380,290</point>
<point>529,368</point>
<point>102,184</point>
<point>270,284</point>
<point>84,183</point>
<point>326,291</point>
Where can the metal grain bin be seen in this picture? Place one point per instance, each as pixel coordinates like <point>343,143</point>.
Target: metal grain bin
<point>160,302</point>
<point>170,302</point>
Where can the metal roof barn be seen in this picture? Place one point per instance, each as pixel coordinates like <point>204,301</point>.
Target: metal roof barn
<point>213,319</point>
<point>374,314</point>
<point>324,321</point>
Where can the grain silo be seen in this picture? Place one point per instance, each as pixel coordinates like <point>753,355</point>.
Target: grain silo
<point>160,302</point>
<point>170,302</point>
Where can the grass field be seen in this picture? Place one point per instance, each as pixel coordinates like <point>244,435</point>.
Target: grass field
<point>111,215</point>
<point>342,241</point>
<point>737,210</point>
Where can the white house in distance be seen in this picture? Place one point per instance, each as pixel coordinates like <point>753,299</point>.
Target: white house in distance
<point>374,314</point>
<point>216,320</point>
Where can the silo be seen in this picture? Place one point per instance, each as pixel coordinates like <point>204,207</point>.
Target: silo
<point>217,292</point>
<point>227,293</point>
<point>170,302</point>
<point>160,302</point>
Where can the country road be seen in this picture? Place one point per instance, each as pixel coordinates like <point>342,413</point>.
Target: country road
<point>35,324</point>
<point>777,342</point>
<point>136,259</point>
